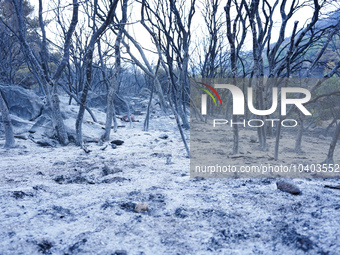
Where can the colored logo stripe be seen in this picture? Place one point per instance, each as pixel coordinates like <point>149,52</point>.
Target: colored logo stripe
<point>218,96</point>
<point>208,92</point>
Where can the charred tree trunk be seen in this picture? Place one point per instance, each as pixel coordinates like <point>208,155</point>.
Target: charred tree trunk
<point>147,117</point>
<point>183,79</point>
<point>288,56</point>
<point>6,120</point>
<point>147,68</point>
<point>41,69</point>
<point>299,136</point>
<point>114,86</point>
<point>335,139</point>
<point>79,121</point>
<point>88,65</point>
<point>236,135</point>
<point>235,46</point>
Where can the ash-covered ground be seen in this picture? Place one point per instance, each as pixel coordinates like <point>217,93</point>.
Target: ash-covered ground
<point>62,200</point>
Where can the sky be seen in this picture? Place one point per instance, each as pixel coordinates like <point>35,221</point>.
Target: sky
<point>198,31</point>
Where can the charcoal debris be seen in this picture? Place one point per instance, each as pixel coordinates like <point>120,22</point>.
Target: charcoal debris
<point>20,194</point>
<point>120,252</point>
<point>45,247</point>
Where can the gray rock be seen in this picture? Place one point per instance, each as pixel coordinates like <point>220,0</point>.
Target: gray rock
<point>20,124</point>
<point>43,126</point>
<point>253,139</point>
<point>288,187</point>
<point>140,207</point>
<point>22,102</point>
<point>96,101</point>
<point>322,137</point>
<point>99,101</point>
<point>47,142</point>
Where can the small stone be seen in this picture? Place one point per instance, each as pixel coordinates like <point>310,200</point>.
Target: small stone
<point>59,179</point>
<point>288,187</point>
<point>163,136</point>
<point>114,146</point>
<point>117,142</point>
<point>141,207</point>
<point>253,139</point>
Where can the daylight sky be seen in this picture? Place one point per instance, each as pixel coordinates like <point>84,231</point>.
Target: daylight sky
<point>198,27</point>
